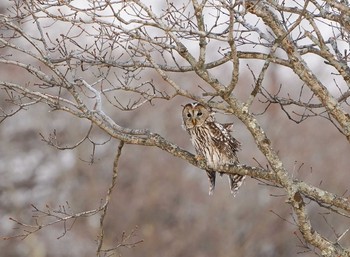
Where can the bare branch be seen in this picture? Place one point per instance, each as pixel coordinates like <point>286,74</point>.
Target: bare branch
<point>108,198</point>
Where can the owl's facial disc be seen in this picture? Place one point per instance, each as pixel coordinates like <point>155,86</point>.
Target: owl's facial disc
<point>195,117</point>
<point>191,118</point>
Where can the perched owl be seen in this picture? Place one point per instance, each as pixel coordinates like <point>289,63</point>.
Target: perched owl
<point>212,141</point>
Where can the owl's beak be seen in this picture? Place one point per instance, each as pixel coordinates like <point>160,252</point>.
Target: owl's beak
<point>194,121</point>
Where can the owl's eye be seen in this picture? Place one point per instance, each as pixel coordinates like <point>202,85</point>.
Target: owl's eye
<point>199,114</point>
<point>189,115</point>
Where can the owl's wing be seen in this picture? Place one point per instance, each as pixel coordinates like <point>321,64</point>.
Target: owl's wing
<point>228,126</point>
<point>222,138</point>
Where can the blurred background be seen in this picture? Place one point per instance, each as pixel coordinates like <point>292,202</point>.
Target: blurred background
<point>160,199</point>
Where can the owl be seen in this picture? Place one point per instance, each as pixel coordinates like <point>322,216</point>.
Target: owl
<point>212,141</point>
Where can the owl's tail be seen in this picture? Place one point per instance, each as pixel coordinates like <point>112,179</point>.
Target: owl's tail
<point>236,182</point>
<point>211,177</point>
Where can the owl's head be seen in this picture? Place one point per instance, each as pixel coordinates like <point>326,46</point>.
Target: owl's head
<point>196,114</point>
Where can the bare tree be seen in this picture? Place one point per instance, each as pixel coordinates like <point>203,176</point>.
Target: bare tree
<point>93,57</point>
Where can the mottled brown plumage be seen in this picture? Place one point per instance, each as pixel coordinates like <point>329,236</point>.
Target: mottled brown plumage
<point>212,141</point>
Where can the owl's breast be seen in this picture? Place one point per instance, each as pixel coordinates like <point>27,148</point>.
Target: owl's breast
<point>205,146</point>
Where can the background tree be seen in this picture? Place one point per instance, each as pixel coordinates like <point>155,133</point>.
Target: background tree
<point>96,77</point>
